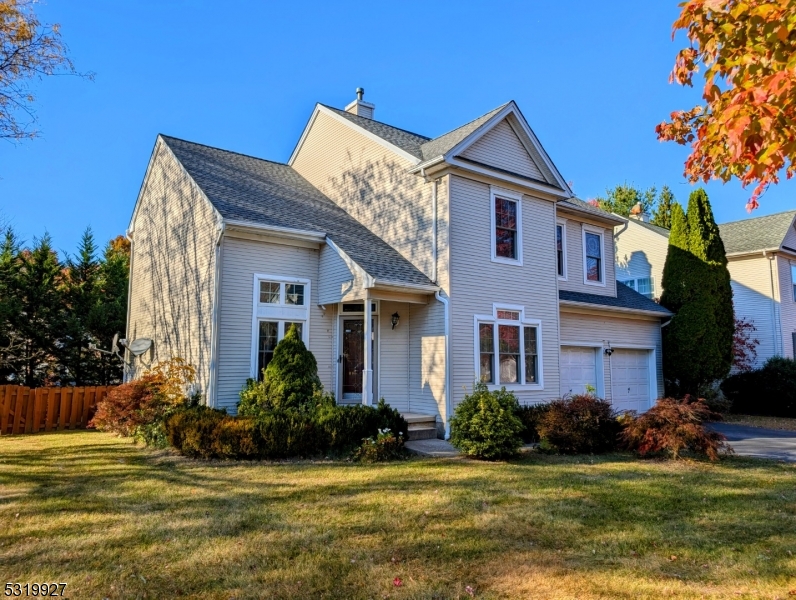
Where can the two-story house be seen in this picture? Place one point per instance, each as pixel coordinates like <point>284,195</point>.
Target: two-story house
<point>412,267</point>
<point>761,259</point>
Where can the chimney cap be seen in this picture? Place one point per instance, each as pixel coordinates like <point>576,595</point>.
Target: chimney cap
<point>360,93</point>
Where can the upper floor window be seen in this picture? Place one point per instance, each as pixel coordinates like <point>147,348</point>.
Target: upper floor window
<point>508,348</point>
<point>561,249</point>
<point>593,263</point>
<point>793,279</point>
<point>275,292</point>
<point>506,227</point>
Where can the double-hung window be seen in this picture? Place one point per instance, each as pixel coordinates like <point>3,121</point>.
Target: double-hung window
<point>279,304</point>
<point>793,279</point>
<point>561,249</point>
<point>508,345</point>
<point>643,285</point>
<point>593,262</point>
<point>506,208</point>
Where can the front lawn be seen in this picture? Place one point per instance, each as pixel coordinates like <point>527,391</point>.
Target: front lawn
<point>117,521</point>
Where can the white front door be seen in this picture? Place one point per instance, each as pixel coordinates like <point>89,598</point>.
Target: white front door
<point>630,377</point>
<point>578,370</point>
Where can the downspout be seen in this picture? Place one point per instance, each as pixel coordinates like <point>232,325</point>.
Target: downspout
<point>212,392</point>
<point>125,370</point>
<point>438,296</point>
<point>773,304</point>
<point>434,185</point>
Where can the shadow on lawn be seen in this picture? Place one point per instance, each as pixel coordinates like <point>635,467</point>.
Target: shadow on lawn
<point>135,502</point>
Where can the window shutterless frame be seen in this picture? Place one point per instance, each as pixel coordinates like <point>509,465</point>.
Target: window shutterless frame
<point>596,231</point>
<point>292,306</point>
<point>511,349</point>
<point>561,248</point>
<point>500,222</point>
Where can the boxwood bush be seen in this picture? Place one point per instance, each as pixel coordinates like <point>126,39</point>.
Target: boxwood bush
<point>485,424</point>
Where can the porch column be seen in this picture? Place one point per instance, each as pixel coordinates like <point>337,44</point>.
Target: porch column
<point>367,355</point>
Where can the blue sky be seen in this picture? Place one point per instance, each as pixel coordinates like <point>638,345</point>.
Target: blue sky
<point>591,78</point>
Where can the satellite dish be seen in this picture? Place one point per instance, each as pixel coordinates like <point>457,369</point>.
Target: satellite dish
<point>139,346</point>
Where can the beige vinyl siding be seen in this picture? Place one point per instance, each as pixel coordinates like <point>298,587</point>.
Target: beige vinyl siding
<point>477,282</point>
<point>790,237</point>
<point>241,260</point>
<point>336,283</point>
<point>640,253</point>
<point>587,328</point>
<point>427,359</point>
<point>574,281</point>
<point>788,303</point>
<point>173,267</point>
<point>752,299</point>
<point>500,147</point>
<point>372,184</point>
<point>393,360</point>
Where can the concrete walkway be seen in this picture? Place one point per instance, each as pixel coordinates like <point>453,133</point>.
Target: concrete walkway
<point>432,447</point>
<point>759,442</point>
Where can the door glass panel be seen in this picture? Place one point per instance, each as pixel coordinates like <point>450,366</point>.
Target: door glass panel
<point>353,356</point>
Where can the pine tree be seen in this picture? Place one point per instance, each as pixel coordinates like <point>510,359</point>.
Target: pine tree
<point>11,345</point>
<point>697,343</point>
<point>624,197</point>
<point>663,208</point>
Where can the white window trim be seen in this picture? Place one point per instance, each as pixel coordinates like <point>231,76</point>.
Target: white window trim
<point>563,224</point>
<point>601,232</point>
<point>496,192</point>
<point>793,281</point>
<point>523,321</point>
<point>278,312</point>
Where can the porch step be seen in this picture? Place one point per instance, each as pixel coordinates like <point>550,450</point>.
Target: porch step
<point>421,427</point>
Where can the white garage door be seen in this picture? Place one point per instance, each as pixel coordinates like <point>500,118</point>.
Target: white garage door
<point>577,370</point>
<point>630,375</point>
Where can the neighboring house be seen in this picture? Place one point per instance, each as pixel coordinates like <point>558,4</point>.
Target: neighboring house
<point>461,257</point>
<point>761,254</point>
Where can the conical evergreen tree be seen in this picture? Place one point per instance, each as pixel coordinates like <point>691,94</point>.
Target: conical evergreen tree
<point>291,378</point>
<point>697,344</point>
<point>664,208</point>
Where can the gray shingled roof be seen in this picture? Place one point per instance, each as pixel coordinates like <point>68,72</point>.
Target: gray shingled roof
<point>659,230</point>
<point>752,235</point>
<point>244,188</point>
<point>405,140</point>
<point>440,145</point>
<point>580,205</point>
<point>626,298</point>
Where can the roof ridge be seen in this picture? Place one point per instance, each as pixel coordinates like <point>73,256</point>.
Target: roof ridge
<point>273,162</point>
<point>481,116</point>
<point>420,135</point>
<point>784,212</point>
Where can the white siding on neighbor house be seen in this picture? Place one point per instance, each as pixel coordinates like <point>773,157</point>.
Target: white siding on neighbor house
<point>477,282</point>
<point>640,253</point>
<point>241,260</point>
<point>336,282</point>
<point>173,267</point>
<point>393,357</point>
<point>372,184</point>
<point>597,329</point>
<point>753,280</point>
<point>500,147</point>
<point>574,281</point>
<point>788,303</point>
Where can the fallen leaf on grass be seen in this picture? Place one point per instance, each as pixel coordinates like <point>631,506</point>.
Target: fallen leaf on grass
<point>672,558</point>
<point>397,582</point>
<point>470,590</point>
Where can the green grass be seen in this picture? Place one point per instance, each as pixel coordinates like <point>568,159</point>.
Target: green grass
<point>117,521</point>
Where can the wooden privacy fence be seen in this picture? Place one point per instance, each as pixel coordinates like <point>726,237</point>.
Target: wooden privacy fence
<point>30,410</point>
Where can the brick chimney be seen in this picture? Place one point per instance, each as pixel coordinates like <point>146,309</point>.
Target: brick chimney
<point>359,107</point>
<point>638,213</point>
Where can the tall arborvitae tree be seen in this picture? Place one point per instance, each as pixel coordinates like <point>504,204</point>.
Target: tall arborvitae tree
<point>697,343</point>
<point>42,312</point>
<point>663,208</point>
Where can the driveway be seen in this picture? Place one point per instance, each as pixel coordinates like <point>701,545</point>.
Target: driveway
<point>759,442</point>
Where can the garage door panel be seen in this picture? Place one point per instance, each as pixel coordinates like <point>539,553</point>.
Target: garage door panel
<point>578,370</point>
<point>630,374</point>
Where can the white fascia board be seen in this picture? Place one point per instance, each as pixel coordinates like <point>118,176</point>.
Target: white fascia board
<point>158,143</point>
<point>614,309</point>
<point>399,286</point>
<point>578,211</point>
<point>381,141</point>
<point>762,252</point>
<point>275,231</point>
<point>520,181</point>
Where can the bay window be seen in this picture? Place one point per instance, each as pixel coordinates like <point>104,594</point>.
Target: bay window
<point>507,350</point>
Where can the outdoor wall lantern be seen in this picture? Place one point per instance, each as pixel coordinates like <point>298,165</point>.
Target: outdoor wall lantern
<point>609,351</point>
<point>395,318</point>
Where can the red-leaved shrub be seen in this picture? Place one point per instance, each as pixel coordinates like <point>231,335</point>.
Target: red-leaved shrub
<point>673,426</point>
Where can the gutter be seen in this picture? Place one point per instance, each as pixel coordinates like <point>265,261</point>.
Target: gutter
<point>617,309</point>
<point>284,232</point>
<point>448,365</point>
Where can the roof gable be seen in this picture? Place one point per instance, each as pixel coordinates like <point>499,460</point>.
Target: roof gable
<point>254,191</point>
<point>501,147</point>
<point>758,234</point>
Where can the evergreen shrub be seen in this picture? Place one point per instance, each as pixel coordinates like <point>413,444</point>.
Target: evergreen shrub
<point>485,425</point>
<point>579,424</point>
<point>768,391</point>
<point>531,416</point>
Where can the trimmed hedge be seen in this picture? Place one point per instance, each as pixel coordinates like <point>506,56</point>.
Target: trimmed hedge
<point>202,432</point>
<point>768,391</point>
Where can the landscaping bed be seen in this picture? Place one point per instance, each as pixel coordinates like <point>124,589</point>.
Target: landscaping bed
<point>114,520</point>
